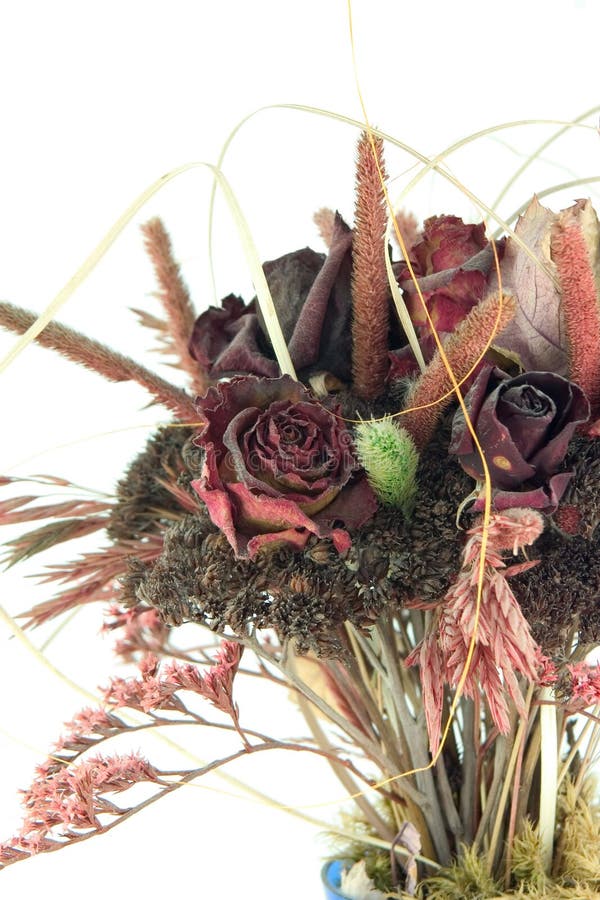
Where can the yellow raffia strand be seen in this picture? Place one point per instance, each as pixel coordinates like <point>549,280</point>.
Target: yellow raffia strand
<point>486,473</point>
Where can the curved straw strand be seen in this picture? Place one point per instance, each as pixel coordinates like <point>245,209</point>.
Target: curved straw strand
<point>543,146</point>
<point>428,163</point>
<point>252,258</point>
<point>576,182</point>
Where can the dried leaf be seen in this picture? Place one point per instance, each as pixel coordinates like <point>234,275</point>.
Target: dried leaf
<point>69,508</point>
<point>409,838</point>
<point>92,577</point>
<point>27,545</point>
<point>537,333</point>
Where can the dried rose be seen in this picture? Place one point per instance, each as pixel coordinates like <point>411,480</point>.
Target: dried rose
<point>278,466</point>
<point>313,301</point>
<point>447,242</point>
<point>524,426</point>
<point>451,263</point>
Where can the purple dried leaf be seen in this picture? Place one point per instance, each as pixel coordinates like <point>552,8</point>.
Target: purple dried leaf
<point>536,334</point>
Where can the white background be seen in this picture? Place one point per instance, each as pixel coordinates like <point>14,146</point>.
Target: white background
<point>97,101</point>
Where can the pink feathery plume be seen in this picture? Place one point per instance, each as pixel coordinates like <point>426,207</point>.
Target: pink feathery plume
<point>92,577</point>
<point>503,647</point>
<point>574,250</point>
<point>324,219</point>
<point>462,348</point>
<point>370,289</point>
<point>175,298</point>
<point>408,227</point>
<point>99,358</point>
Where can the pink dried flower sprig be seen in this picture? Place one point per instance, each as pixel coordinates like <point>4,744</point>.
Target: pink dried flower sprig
<point>156,688</point>
<point>146,694</point>
<point>215,685</point>
<point>73,797</point>
<point>585,685</point>
<point>89,726</point>
<point>503,647</point>
<point>139,629</point>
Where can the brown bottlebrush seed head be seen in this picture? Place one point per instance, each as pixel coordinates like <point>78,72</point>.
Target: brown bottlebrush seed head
<point>370,289</point>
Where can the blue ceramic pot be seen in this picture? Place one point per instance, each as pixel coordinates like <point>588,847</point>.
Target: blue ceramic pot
<point>331,876</point>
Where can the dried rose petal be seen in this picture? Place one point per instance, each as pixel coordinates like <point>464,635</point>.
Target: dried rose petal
<point>313,301</point>
<point>278,466</point>
<point>449,290</point>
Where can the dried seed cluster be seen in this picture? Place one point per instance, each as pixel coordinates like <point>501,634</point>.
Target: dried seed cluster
<point>140,495</point>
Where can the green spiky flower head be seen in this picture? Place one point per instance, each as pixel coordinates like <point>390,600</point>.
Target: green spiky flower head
<point>390,458</point>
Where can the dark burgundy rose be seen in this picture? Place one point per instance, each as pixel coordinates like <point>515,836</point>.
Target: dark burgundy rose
<point>226,339</point>
<point>278,466</point>
<point>313,300</point>
<point>524,426</point>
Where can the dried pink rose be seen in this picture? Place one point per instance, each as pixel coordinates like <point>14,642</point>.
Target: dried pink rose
<point>449,287</point>
<point>312,297</point>
<point>278,467</point>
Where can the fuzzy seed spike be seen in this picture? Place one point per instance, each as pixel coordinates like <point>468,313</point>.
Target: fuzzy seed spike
<point>370,289</point>
<point>463,349</point>
<point>175,299</point>
<point>101,359</point>
<point>390,458</point>
<point>576,261</point>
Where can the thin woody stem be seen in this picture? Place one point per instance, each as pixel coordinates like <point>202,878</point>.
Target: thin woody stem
<point>415,738</point>
<point>469,768</point>
<point>369,812</point>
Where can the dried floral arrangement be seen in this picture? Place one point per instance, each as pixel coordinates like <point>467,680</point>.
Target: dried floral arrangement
<point>382,487</point>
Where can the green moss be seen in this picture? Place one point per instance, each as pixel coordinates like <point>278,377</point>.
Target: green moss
<point>466,879</point>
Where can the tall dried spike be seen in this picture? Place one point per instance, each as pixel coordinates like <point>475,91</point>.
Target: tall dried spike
<point>576,259</point>
<point>175,298</point>
<point>370,289</point>
<point>463,348</point>
<point>101,359</point>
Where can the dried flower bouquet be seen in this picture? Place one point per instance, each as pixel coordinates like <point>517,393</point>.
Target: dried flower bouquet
<point>395,516</point>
